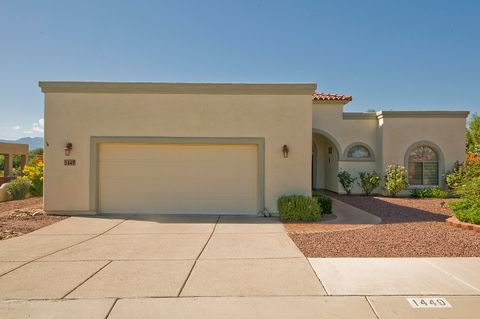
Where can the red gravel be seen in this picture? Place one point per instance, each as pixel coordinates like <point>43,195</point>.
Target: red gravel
<point>16,217</point>
<point>409,228</point>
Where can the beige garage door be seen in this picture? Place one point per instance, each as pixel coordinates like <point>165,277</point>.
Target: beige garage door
<point>178,178</point>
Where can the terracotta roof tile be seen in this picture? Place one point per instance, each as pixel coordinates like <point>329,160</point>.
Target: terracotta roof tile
<point>330,97</point>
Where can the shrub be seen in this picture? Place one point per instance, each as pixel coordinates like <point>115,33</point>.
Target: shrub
<point>395,179</point>
<point>467,209</point>
<point>369,181</point>
<point>325,203</point>
<point>33,172</point>
<point>346,179</point>
<point>298,208</point>
<point>464,171</point>
<point>18,189</point>
<point>430,192</point>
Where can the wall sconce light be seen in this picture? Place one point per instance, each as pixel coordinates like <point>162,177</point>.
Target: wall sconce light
<point>68,149</point>
<point>285,151</point>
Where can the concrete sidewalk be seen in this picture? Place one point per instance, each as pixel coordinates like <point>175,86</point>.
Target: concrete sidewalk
<point>212,267</point>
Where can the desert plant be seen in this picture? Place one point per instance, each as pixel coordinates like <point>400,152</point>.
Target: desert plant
<point>466,211</point>
<point>298,208</point>
<point>18,189</point>
<point>463,171</point>
<point>325,203</point>
<point>346,179</point>
<point>33,172</point>
<point>466,185</point>
<point>369,181</point>
<point>395,179</point>
<point>429,192</point>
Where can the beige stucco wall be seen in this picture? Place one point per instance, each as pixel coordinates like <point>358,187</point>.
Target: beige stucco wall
<point>339,132</point>
<point>328,117</point>
<point>13,148</point>
<point>3,192</point>
<point>389,135</point>
<point>448,134</point>
<point>75,117</point>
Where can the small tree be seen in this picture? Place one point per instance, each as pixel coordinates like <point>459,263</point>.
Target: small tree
<point>395,179</point>
<point>346,179</point>
<point>369,181</point>
<point>473,135</point>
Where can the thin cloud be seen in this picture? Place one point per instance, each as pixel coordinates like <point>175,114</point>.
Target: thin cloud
<point>38,127</point>
<point>16,128</point>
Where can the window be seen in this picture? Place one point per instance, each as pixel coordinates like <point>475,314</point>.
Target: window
<point>358,152</point>
<point>423,166</point>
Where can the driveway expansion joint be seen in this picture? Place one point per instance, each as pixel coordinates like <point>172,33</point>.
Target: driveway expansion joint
<point>452,275</point>
<point>371,307</point>
<point>201,251</point>
<point>111,308</point>
<point>88,278</point>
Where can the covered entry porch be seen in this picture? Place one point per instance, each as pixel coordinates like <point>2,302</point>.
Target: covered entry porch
<point>325,157</point>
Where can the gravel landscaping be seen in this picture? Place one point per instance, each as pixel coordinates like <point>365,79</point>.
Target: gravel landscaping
<point>23,216</point>
<point>410,228</point>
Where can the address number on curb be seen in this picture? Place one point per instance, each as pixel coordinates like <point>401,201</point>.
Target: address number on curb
<point>429,303</point>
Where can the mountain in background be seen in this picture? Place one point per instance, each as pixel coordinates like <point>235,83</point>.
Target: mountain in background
<point>33,142</point>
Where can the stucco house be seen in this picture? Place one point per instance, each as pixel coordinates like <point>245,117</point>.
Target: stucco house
<point>224,148</point>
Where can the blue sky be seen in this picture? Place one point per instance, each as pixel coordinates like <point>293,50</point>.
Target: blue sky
<point>386,54</point>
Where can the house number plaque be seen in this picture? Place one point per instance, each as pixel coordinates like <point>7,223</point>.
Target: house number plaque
<point>429,303</point>
<point>69,162</point>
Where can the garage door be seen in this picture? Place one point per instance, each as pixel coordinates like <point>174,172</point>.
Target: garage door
<point>178,178</point>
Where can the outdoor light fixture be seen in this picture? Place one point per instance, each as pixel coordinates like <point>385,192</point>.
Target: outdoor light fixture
<point>68,149</point>
<point>285,151</point>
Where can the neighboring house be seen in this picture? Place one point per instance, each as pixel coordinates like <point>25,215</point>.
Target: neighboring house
<point>8,150</point>
<point>224,148</point>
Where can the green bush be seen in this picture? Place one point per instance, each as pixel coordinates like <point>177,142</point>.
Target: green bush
<point>430,192</point>
<point>463,171</point>
<point>369,181</point>
<point>395,179</point>
<point>455,177</point>
<point>346,179</point>
<point>467,209</point>
<point>17,189</point>
<point>298,208</point>
<point>325,203</point>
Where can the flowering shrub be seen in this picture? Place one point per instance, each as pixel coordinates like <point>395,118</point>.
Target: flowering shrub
<point>465,181</point>
<point>395,179</point>
<point>369,181</point>
<point>346,179</point>
<point>464,171</point>
<point>33,173</point>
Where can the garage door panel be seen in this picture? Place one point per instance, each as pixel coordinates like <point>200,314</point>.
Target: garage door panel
<point>177,178</point>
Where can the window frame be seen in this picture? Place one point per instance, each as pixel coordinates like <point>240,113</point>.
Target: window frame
<point>371,158</point>
<point>440,164</point>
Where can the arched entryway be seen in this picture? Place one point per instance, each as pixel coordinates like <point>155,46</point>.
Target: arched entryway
<point>325,157</point>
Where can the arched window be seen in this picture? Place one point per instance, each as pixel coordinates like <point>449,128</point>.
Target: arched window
<point>423,166</point>
<point>358,151</point>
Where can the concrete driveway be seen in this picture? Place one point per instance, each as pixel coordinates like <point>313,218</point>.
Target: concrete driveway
<point>183,267</point>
